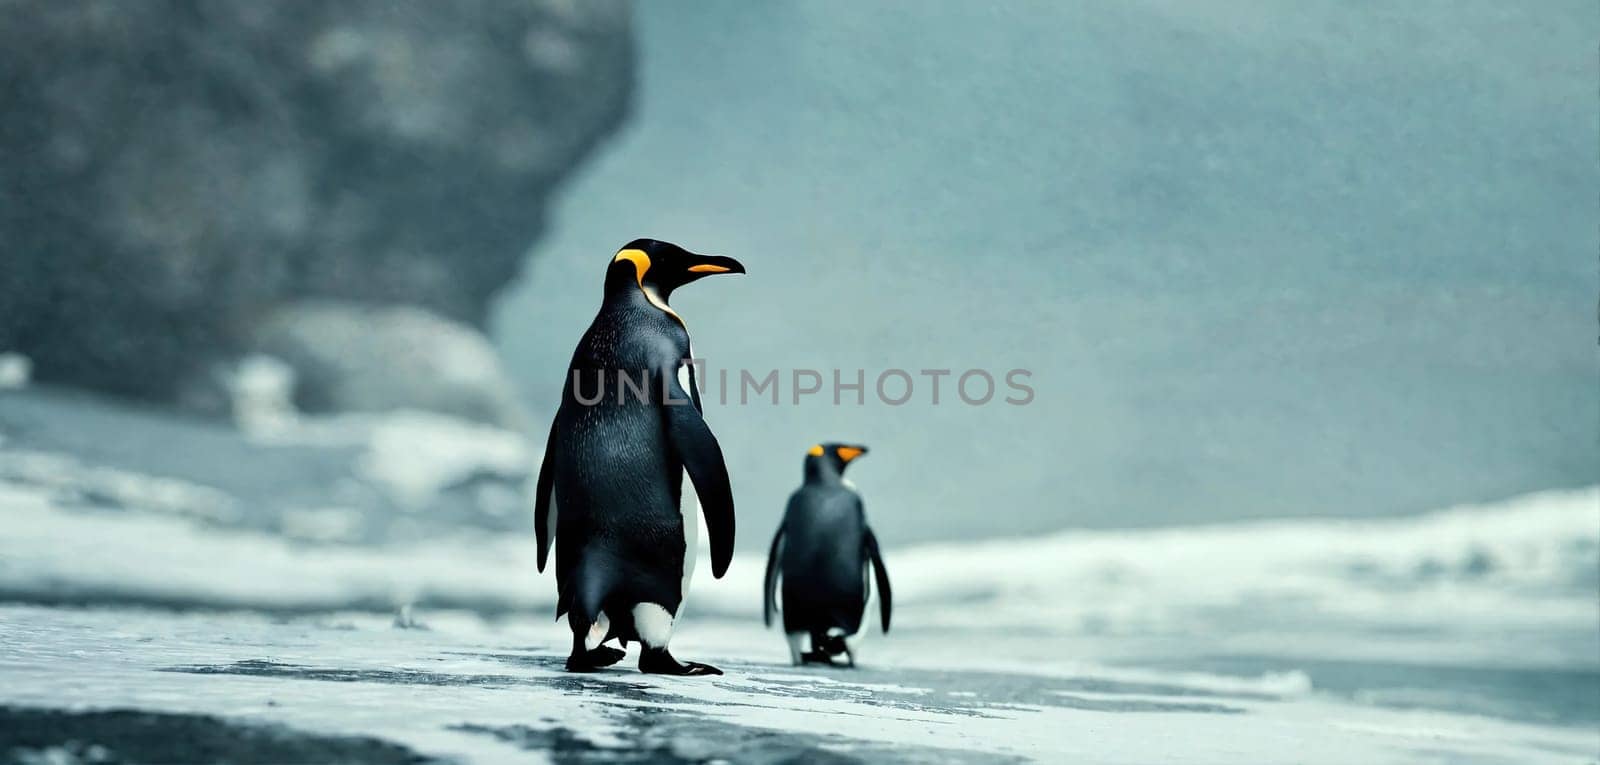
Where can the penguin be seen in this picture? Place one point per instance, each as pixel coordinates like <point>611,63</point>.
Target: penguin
<point>821,552</point>
<point>610,486</point>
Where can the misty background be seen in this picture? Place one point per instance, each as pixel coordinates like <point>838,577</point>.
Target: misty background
<point>1264,259</point>
<point>1307,290</point>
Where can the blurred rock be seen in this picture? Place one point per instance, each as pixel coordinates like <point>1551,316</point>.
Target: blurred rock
<point>355,358</point>
<point>174,173</point>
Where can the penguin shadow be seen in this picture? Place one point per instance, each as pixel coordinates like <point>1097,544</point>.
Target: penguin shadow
<point>948,692</point>
<point>619,682</point>
<point>752,682</point>
<point>656,726</point>
<point>958,693</point>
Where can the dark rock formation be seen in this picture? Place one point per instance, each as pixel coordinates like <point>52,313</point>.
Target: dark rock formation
<point>172,172</point>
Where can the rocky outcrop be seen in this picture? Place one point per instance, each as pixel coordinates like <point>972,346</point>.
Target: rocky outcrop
<point>355,358</point>
<point>172,174</point>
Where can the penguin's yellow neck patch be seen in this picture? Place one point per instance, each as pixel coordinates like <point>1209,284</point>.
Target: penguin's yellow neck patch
<point>641,265</point>
<point>640,261</point>
<point>848,453</point>
<point>815,451</point>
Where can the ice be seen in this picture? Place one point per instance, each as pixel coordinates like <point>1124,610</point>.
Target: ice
<point>1461,635</point>
<point>1522,567</point>
<point>438,691</point>
<point>412,455</point>
<point>49,553</point>
<point>417,455</point>
<point>1494,572</point>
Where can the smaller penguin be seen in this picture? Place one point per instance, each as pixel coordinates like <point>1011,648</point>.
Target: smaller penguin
<point>821,552</point>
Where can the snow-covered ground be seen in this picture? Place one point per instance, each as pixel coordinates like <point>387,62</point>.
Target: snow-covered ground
<point>1469,584</point>
<point>493,692</point>
<point>255,578</point>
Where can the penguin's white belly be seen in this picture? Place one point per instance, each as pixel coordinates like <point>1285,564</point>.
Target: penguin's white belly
<point>683,378</point>
<point>870,605</point>
<point>689,512</point>
<point>691,542</point>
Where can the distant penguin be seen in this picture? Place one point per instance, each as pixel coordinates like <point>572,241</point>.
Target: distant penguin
<point>628,428</point>
<point>821,552</point>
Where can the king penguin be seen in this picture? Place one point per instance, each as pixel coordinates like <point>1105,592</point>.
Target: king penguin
<point>610,487</point>
<point>821,552</point>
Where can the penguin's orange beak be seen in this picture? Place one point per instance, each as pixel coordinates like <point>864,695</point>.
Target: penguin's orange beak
<point>717,264</point>
<point>847,453</point>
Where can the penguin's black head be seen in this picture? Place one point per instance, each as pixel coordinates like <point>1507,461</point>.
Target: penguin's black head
<point>832,457</point>
<point>659,267</point>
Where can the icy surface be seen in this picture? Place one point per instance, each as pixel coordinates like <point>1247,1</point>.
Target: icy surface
<point>494,692</point>
<point>350,578</point>
<point>1470,584</point>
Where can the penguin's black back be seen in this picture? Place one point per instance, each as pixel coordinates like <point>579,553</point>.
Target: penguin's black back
<point>618,484</point>
<point>823,560</point>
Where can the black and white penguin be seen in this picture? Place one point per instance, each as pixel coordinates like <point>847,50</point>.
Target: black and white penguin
<point>610,488</point>
<point>821,552</point>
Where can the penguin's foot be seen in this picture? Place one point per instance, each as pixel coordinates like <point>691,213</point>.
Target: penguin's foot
<point>580,664</point>
<point>825,659</point>
<point>656,661</point>
<point>595,659</point>
<point>832,645</point>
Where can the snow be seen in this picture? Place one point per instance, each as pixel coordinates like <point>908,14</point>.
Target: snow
<point>15,371</point>
<point>1462,635</point>
<point>261,390</point>
<point>412,455</point>
<point>353,674</point>
<point>1468,583</point>
<point>54,553</point>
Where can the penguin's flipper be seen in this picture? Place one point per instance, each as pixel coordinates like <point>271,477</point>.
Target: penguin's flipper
<point>543,508</point>
<point>881,574</point>
<point>769,599</point>
<point>702,457</point>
